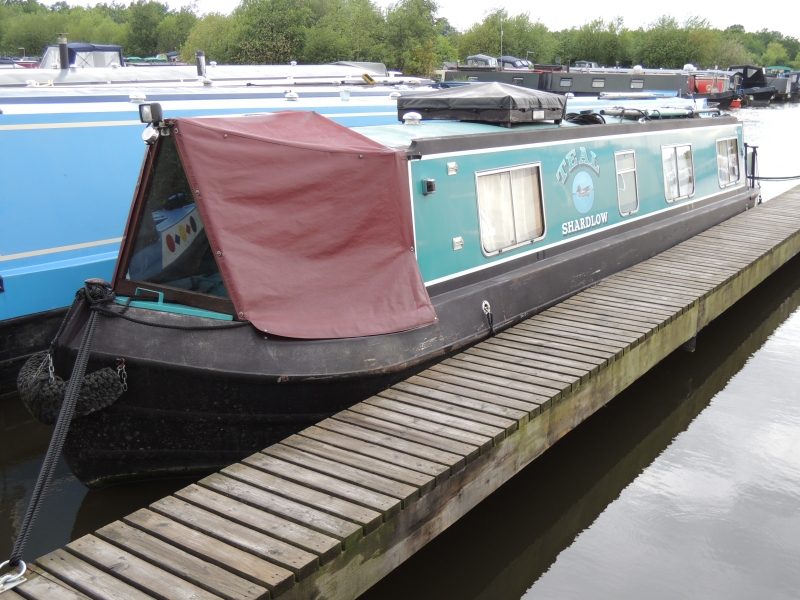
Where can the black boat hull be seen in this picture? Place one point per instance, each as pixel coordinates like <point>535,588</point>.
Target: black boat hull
<point>200,400</point>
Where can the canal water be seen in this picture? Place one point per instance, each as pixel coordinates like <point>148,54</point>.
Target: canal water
<point>686,485</point>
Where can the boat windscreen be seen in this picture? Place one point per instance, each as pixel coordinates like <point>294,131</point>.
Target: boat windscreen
<point>171,246</point>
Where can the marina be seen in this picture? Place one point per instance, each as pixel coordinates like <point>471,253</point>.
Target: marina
<point>364,487</point>
<point>483,429</point>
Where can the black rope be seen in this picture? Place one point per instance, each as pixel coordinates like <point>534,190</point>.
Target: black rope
<point>61,428</point>
<point>490,320</point>
<point>585,118</point>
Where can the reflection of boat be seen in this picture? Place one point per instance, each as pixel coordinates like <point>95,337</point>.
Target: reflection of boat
<point>348,285</point>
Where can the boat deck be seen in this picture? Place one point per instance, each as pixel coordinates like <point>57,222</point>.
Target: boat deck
<point>327,512</point>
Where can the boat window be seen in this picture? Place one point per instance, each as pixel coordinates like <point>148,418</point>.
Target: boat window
<point>728,161</point>
<point>171,245</point>
<point>678,171</point>
<point>627,188</point>
<point>510,208</point>
<point>599,82</point>
<point>637,84</point>
<point>566,82</point>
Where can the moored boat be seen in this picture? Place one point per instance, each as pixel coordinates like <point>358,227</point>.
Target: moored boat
<point>353,257</point>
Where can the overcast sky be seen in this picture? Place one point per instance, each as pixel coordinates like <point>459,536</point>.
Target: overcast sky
<point>463,13</point>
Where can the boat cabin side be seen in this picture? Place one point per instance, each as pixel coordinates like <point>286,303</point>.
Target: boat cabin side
<point>478,195</point>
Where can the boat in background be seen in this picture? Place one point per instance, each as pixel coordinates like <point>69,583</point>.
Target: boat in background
<point>754,89</point>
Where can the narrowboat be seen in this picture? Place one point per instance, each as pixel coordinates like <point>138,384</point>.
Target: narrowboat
<point>352,258</point>
<point>754,90</point>
<point>64,213</point>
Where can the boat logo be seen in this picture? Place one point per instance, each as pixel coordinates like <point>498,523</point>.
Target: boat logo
<point>583,192</point>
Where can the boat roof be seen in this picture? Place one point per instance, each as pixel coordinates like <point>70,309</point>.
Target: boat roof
<point>401,136</point>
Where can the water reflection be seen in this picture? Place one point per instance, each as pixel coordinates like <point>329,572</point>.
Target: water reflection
<point>571,520</point>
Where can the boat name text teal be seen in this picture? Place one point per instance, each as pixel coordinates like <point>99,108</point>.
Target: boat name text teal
<point>572,161</point>
<point>583,223</point>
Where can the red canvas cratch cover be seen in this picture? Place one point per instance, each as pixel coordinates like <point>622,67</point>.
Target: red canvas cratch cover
<point>313,222</point>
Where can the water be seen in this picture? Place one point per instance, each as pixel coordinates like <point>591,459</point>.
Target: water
<point>686,485</point>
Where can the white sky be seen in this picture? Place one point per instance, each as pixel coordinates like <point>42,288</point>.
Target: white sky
<point>463,13</point>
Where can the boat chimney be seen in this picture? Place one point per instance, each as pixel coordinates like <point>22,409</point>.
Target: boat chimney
<point>200,57</point>
<point>63,51</point>
<point>412,118</point>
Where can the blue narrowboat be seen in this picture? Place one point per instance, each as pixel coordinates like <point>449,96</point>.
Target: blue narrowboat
<point>278,268</point>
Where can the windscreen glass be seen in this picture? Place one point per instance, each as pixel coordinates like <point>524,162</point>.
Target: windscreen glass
<point>171,245</point>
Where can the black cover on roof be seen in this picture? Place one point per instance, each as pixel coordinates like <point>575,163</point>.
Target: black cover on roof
<point>482,96</point>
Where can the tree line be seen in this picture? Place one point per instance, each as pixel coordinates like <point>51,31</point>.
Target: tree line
<point>408,35</point>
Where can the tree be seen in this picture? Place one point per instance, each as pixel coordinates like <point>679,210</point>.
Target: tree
<point>273,31</point>
<point>143,20</point>
<point>351,30</point>
<point>775,55</point>
<point>521,37</point>
<point>411,36</point>
<point>217,36</point>
<point>174,29</point>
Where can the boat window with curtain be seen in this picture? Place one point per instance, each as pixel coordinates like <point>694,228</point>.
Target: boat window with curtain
<point>627,188</point>
<point>510,208</point>
<point>678,171</point>
<point>728,161</point>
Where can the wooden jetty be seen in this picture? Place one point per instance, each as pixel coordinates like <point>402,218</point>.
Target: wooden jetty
<point>327,512</point>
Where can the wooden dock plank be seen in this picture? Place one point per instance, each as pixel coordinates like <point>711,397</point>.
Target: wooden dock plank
<point>427,468</point>
<point>132,543</point>
<point>385,505</point>
<point>477,391</point>
<point>247,566</point>
<point>424,483</point>
<point>435,434</point>
<point>41,585</point>
<point>246,539</point>
<point>479,412</point>
<point>411,410</point>
<point>491,376</point>
<point>479,356</point>
<point>347,532</point>
<point>398,441</point>
<point>88,579</point>
<point>368,518</point>
<point>362,478</point>
<point>504,413</point>
<point>324,547</point>
<point>142,574</point>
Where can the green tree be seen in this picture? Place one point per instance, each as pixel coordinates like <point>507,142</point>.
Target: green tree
<point>216,35</point>
<point>521,37</point>
<point>143,20</point>
<point>775,55</point>
<point>174,29</point>
<point>350,30</point>
<point>411,36</point>
<point>729,51</point>
<point>273,31</point>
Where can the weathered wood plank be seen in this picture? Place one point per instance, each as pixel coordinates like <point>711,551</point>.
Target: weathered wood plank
<point>131,541</point>
<point>368,518</point>
<point>404,460</point>
<point>396,441</point>
<point>150,578</point>
<point>87,578</point>
<point>41,585</point>
<point>394,489</point>
<point>478,356</point>
<point>347,532</point>
<point>487,393</point>
<point>489,413</point>
<point>408,409</point>
<point>474,414</point>
<point>247,566</point>
<point>544,387</point>
<point>420,430</point>
<point>484,375</point>
<point>355,494</point>
<point>424,483</point>
<point>324,547</point>
<point>246,539</point>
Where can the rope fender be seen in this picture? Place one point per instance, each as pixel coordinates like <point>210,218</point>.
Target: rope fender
<point>42,392</point>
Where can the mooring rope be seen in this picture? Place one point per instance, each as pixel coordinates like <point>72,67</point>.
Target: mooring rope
<point>97,293</point>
